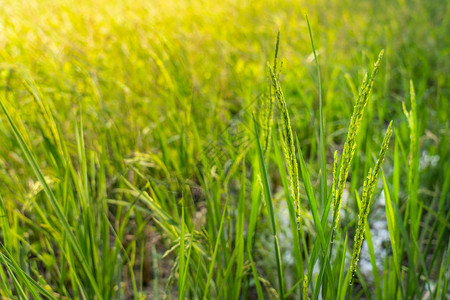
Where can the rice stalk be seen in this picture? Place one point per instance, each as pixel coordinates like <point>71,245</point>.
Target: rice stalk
<point>268,105</point>
<point>350,142</point>
<point>288,138</point>
<point>369,186</point>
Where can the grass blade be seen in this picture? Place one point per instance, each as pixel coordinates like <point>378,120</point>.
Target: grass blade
<point>269,204</point>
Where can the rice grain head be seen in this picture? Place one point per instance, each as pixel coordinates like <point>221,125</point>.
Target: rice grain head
<point>288,137</point>
<point>305,287</point>
<point>288,145</point>
<point>366,202</point>
<point>350,142</point>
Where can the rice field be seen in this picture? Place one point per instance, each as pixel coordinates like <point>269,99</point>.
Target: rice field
<point>224,149</point>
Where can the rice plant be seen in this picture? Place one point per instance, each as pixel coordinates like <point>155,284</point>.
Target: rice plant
<point>288,137</point>
<point>366,202</point>
<point>350,142</point>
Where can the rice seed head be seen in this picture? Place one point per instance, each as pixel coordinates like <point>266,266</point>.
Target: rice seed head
<point>275,58</point>
<point>266,113</point>
<point>366,202</point>
<point>350,142</point>
<point>270,99</point>
<point>288,146</point>
<point>305,287</point>
<point>267,118</point>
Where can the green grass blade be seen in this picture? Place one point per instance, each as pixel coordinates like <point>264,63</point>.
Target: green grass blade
<point>216,250</point>
<point>393,230</point>
<point>240,238</point>
<point>323,159</point>
<point>255,275</point>
<point>412,266</point>
<point>341,270</point>
<point>269,204</point>
<point>311,197</point>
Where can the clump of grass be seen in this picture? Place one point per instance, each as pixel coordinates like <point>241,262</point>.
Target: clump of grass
<point>369,186</point>
<point>350,142</point>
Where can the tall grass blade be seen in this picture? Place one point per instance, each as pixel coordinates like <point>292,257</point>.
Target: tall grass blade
<point>269,204</point>
<point>323,159</point>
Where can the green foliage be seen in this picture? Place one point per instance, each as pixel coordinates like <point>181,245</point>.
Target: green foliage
<point>131,166</point>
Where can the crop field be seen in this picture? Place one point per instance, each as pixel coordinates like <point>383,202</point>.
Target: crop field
<point>233,149</point>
